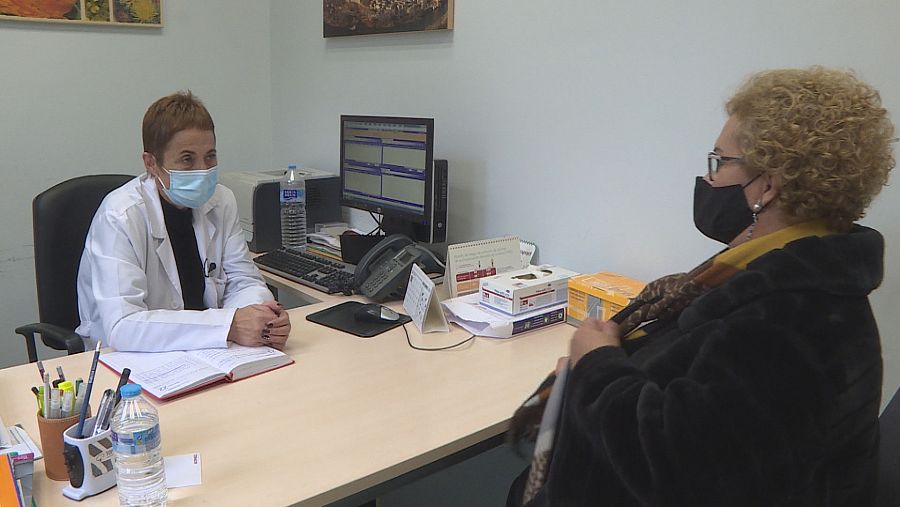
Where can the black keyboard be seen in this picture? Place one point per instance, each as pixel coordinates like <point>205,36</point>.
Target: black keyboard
<point>309,269</point>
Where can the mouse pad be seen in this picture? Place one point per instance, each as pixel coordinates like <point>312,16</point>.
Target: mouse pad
<point>341,317</point>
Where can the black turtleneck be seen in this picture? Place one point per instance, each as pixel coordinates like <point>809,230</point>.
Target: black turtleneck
<point>179,224</point>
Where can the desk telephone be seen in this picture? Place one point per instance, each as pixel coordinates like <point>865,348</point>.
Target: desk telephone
<point>383,272</point>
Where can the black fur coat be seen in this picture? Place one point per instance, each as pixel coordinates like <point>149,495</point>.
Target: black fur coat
<point>764,392</point>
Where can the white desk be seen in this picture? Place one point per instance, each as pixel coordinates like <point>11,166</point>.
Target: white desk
<point>349,415</point>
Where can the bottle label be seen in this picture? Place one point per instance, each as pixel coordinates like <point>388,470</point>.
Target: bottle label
<point>137,442</point>
<point>289,195</point>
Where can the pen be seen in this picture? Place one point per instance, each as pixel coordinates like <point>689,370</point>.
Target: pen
<point>67,399</point>
<point>45,408</point>
<point>40,366</point>
<point>122,381</point>
<point>54,404</point>
<point>79,397</point>
<point>79,431</point>
<point>39,396</point>
<point>59,371</point>
<point>40,400</point>
<point>104,411</point>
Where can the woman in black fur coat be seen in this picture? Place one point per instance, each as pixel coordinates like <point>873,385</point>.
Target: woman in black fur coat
<point>754,379</point>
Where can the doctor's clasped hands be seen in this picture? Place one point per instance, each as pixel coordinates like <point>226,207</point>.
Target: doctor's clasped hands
<point>260,324</point>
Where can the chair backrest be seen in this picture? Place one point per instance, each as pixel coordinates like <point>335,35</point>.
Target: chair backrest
<point>62,216</point>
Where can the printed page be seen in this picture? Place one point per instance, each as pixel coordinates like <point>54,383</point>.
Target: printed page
<point>163,374</point>
<point>421,303</point>
<point>419,291</point>
<point>476,319</point>
<point>242,361</point>
<point>469,262</point>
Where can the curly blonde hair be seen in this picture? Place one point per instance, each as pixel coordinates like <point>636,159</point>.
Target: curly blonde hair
<point>824,132</point>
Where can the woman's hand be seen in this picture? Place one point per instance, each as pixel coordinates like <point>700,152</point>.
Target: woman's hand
<point>249,325</point>
<point>593,334</point>
<point>278,329</point>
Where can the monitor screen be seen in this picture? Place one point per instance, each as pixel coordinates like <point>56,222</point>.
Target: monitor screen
<point>385,164</point>
<point>388,167</point>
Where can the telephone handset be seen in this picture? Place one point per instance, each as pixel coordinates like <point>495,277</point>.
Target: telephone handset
<point>383,272</point>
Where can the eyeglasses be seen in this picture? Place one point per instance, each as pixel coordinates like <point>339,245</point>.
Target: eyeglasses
<point>714,162</point>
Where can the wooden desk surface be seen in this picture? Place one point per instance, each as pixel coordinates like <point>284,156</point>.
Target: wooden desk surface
<point>351,413</point>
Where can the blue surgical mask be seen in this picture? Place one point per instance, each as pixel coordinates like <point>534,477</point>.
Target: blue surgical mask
<point>191,189</point>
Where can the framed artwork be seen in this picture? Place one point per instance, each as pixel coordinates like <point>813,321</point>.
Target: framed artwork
<point>146,13</point>
<point>364,17</point>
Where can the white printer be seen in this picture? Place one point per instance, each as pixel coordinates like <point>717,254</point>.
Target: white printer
<point>259,208</point>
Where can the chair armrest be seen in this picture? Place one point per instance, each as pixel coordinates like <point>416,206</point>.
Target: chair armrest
<point>74,344</point>
<point>53,336</point>
<point>28,332</point>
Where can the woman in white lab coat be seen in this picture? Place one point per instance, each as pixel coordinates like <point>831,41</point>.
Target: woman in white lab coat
<point>133,274</point>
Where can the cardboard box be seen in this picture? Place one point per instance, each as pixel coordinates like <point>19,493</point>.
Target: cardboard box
<point>600,295</point>
<point>526,289</point>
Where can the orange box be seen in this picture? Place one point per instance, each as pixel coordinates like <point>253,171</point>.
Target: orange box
<point>600,295</point>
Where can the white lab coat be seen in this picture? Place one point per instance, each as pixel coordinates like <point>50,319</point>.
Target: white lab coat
<point>129,293</point>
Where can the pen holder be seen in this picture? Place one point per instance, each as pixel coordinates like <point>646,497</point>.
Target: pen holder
<point>89,461</point>
<point>51,431</point>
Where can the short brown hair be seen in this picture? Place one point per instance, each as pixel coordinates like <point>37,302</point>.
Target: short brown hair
<point>824,132</point>
<point>169,116</point>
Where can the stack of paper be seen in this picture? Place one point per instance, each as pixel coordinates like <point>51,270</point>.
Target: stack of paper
<point>18,453</point>
<point>323,249</point>
<point>326,240</point>
<point>483,321</point>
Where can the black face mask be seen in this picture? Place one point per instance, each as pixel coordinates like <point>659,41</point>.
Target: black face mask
<point>721,213</point>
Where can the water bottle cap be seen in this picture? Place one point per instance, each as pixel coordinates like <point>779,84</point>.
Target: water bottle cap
<point>292,167</point>
<point>129,390</point>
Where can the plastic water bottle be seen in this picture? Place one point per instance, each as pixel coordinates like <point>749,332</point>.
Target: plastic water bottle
<point>293,209</point>
<point>140,473</point>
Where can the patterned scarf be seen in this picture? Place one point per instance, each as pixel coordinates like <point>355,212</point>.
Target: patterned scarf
<point>661,300</point>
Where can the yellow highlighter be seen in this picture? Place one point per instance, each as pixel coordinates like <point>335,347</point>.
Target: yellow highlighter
<point>67,398</point>
<point>40,399</point>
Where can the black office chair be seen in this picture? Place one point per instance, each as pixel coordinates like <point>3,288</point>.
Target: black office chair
<point>889,461</point>
<point>62,215</point>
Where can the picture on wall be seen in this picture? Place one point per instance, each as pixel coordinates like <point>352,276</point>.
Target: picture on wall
<point>365,17</point>
<point>100,12</point>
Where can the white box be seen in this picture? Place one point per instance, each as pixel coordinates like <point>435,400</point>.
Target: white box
<point>526,289</point>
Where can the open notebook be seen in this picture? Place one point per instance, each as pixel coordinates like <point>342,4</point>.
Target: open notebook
<point>168,374</point>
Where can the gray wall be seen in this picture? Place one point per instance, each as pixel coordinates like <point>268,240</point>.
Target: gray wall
<point>71,103</point>
<point>580,125</point>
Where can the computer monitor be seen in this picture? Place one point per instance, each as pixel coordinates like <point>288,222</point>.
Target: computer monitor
<point>388,167</point>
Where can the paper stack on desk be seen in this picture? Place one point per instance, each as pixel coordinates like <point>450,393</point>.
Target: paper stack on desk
<point>326,240</point>
<point>467,312</point>
<point>324,245</point>
<point>16,476</point>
